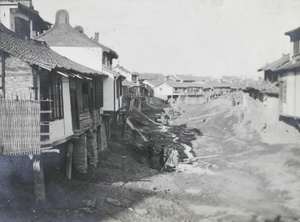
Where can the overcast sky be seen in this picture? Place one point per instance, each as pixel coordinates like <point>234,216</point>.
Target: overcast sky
<point>200,37</point>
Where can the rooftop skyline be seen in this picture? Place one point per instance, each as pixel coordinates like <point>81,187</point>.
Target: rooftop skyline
<point>204,38</point>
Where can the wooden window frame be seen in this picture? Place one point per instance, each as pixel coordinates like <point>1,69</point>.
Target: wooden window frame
<point>99,93</point>
<point>56,95</point>
<point>85,95</point>
<point>22,26</point>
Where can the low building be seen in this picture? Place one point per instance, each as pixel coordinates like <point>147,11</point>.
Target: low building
<point>20,17</point>
<point>130,76</point>
<point>219,88</point>
<point>172,90</point>
<point>38,109</point>
<point>286,72</point>
<point>74,44</point>
<point>289,79</point>
<point>270,70</point>
<point>131,86</point>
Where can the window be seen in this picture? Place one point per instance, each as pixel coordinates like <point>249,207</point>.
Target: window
<point>106,60</point>
<point>120,86</point>
<point>283,90</point>
<point>56,95</point>
<point>296,50</point>
<point>85,95</point>
<point>22,26</point>
<point>99,93</point>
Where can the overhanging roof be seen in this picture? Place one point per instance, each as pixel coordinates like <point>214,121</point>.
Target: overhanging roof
<point>274,66</point>
<point>63,34</point>
<point>39,54</point>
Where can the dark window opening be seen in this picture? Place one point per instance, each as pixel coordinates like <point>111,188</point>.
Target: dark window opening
<point>52,95</point>
<point>22,26</point>
<point>57,97</point>
<point>85,95</point>
<point>296,48</point>
<point>99,93</point>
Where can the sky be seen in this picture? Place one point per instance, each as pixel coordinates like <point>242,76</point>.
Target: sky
<point>199,37</point>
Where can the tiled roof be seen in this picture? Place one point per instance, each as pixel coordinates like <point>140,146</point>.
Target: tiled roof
<point>274,66</point>
<point>122,68</point>
<point>108,71</point>
<point>264,87</point>
<point>186,84</point>
<point>189,78</point>
<point>217,84</point>
<point>151,76</point>
<point>294,34</point>
<point>128,84</point>
<point>289,65</point>
<point>186,77</point>
<point>36,53</point>
<point>154,82</point>
<point>63,34</point>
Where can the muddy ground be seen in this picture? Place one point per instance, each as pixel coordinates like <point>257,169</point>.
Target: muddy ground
<point>235,178</point>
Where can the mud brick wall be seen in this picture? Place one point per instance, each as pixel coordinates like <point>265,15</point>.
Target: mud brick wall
<point>264,117</point>
<point>18,79</point>
<point>261,112</point>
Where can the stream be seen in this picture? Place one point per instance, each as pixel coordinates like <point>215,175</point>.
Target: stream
<point>182,136</point>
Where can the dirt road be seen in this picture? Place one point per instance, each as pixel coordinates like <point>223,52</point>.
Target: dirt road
<point>242,179</point>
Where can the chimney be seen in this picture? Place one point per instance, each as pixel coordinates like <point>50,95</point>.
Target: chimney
<point>96,37</point>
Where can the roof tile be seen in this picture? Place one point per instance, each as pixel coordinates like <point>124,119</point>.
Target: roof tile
<point>37,53</point>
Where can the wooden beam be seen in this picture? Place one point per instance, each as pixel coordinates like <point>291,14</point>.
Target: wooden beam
<point>69,160</point>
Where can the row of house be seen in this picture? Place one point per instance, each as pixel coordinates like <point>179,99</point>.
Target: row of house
<point>171,87</point>
<point>58,91</point>
<point>282,79</point>
<point>273,105</point>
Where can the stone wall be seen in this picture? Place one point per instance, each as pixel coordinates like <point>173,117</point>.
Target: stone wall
<point>18,79</point>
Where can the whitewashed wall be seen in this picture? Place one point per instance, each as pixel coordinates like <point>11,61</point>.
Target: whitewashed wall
<point>87,56</point>
<point>162,91</point>
<point>63,127</point>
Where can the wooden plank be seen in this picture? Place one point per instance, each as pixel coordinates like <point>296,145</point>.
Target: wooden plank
<point>46,111</point>
<point>69,160</point>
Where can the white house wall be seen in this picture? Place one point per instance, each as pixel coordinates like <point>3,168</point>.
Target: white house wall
<point>297,93</point>
<point>62,128</point>
<point>92,58</point>
<point>8,19</point>
<point>291,107</point>
<point>288,106</point>
<point>87,56</point>
<point>108,92</point>
<point>5,15</point>
<point>162,91</point>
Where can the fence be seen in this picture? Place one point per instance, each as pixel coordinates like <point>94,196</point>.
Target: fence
<point>19,127</point>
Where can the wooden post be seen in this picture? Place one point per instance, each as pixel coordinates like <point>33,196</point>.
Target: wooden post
<point>109,127</point>
<point>125,116</point>
<point>69,160</point>
<point>39,184</point>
